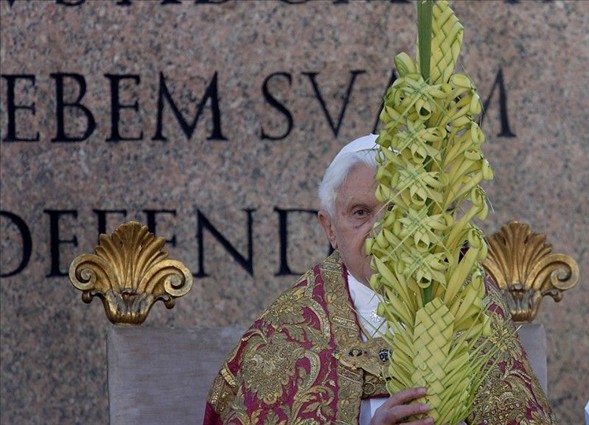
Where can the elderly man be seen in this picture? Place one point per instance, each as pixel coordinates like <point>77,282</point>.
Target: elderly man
<point>314,356</point>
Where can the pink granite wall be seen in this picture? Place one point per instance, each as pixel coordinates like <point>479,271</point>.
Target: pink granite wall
<point>200,115</point>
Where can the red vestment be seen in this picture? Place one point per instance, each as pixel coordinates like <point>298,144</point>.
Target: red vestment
<point>301,362</point>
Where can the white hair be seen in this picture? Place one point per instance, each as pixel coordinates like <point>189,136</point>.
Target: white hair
<point>338,171</point>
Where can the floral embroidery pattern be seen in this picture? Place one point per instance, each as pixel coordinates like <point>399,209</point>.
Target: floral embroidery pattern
<point>270,366</point>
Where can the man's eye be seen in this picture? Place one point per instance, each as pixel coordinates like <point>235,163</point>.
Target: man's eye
<point>360,212</point>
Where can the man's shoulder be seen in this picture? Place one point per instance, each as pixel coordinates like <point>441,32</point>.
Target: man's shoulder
<point>306,296</point>
<point>314,277</point>
<point>309,285</point>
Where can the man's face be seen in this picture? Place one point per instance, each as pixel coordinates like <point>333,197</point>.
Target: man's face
<point>356,210</point>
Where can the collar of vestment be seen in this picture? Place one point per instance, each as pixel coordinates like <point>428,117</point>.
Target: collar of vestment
<point>360,363</point>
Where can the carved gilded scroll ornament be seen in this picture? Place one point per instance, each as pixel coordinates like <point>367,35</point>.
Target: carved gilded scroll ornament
<point>129,272</point>
<point>524,267</point>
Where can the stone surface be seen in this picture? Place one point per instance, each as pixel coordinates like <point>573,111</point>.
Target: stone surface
<point>249,57</point>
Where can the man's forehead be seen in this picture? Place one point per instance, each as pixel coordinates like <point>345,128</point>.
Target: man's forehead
<point>359,185</point>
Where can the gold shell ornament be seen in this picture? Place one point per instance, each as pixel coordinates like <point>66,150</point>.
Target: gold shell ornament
<point>129,272</point>
<point>525,268</point>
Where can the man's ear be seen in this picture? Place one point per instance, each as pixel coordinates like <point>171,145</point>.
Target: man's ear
<point>325,220</point>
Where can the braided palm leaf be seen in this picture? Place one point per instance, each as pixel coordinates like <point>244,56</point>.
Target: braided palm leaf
<point>430,168</point>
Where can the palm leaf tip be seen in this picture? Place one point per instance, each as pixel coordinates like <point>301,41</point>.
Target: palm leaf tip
<point>446,36</point>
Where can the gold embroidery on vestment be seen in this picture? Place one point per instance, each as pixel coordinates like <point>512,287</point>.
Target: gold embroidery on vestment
<point>346,331</point>
<point>511,387</point>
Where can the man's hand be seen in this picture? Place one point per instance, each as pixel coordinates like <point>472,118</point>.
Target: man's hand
<point>397,408</point>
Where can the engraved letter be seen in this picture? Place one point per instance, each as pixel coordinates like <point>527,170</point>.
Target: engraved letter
<point>503,116</point>
<point>276,104</point>
<point>61,105</point>
<point>11,107</point>
<point>204,223</point>
<point>55,242</point>
<point>27,243</point>
<point>335,126</point>
<point>152,222</point>
<point>116,106</point>
<point>188,128</point>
